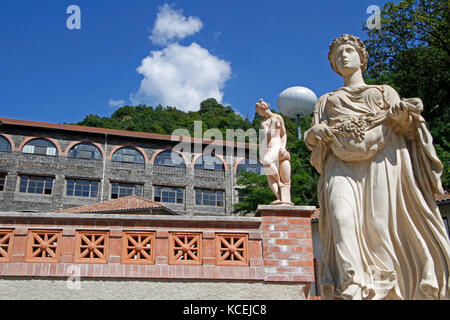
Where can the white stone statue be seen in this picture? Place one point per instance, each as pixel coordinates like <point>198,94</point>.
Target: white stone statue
<point>275,158</point>
<point>382,234</point>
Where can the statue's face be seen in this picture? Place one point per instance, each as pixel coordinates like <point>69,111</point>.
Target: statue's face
<point>347,59</point>
<point>264,112</point>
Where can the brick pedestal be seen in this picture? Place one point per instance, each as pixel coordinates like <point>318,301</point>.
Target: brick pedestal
<point>287,243</point>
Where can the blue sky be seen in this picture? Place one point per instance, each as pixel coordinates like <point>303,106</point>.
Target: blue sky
<point>243,51</point>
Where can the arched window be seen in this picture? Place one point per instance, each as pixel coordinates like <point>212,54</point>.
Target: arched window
<point>250,165</point>
<point>129,155</point>
<point>209,163</point>
<point>169,158</point>
<point>40,146</point>
<point>5,146</point>
<point>85,150</point>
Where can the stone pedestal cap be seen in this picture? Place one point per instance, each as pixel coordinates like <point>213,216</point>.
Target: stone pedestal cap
<point>299,211</point>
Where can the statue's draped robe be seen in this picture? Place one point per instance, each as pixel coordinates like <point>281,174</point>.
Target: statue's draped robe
<point>382,233</point>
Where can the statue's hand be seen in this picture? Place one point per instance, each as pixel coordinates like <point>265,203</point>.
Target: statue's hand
<point>399,112</point>
<point>284,154</point>
<point>322,132</point>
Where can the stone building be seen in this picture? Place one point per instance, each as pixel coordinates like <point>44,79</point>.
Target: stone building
<point>48,167</point>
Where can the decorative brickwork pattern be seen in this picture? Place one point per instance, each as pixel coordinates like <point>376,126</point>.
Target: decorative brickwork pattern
<point>232,249</point>
<point>91,247</point>
<point>43,246</point>
<point>138,247</point>
<point>277,245</point>
<point>185,248</point>
<point>6,239</point>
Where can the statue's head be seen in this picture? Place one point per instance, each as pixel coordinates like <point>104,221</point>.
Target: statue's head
<point>262,108</point>
<point>348,52</point>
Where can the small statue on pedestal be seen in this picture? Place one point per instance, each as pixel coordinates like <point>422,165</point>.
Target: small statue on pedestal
<point>275,158</point>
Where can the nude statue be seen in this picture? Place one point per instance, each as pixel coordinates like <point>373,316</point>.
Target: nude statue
<point>275,157</point>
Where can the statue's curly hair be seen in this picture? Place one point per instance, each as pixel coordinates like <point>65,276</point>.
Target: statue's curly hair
<point>353,41</point>
<point>262,105</point>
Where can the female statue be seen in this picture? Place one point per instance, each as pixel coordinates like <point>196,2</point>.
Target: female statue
<point>275,158</point>
<point>382,233</point>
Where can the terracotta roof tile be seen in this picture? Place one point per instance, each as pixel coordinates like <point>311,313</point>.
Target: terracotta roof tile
<point>125,204</point>
<point>443,197</point>
<point>316,214</point>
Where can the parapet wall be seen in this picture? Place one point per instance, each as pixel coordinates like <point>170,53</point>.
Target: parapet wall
<point>274,249</point>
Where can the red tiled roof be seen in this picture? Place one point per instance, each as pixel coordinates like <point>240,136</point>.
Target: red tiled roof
<point>443,197</point>
<point>316,214</point>
<point>125,204</point>
<point>115,132</point>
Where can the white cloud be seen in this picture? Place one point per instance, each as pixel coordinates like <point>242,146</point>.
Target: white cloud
<point>172,25</point>
<point>179,76</point>
<point>116,103</point>
<point>182,77</point>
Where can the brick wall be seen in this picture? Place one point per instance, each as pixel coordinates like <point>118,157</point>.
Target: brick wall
<point>287,243</point>
<point>273,248</point>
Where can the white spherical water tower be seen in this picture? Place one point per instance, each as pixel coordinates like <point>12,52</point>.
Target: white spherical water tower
<point>297,102</point>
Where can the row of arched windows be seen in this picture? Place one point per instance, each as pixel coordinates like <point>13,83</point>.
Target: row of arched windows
<point>86,150</point>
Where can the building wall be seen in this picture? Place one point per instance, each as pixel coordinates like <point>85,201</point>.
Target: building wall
<point>444,208</point>
<point>113,289</point>
<point>275,258</point>
<point>63,167</point>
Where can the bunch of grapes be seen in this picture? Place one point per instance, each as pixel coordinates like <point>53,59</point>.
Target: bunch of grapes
<point>353,128</point>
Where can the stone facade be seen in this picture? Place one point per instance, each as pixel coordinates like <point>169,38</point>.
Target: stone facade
<point>61,167</point>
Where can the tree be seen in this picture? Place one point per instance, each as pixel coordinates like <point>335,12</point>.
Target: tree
<point>407,25</point>
<point>254,191</point>
<point>411,53</point>
<point>166,120</point>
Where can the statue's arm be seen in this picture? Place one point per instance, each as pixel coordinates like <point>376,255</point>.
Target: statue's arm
<point>310,138</point>
<point>318,130</point>
<point>399,111</point>
<point>283,134</point>
<point>423,154</point>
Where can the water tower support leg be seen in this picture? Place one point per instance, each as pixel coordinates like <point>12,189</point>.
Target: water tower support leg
<point>299,130</point>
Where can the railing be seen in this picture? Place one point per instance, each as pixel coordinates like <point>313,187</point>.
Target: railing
<point>127,166</point>
<point>84,162</point>
<point>39,158</point>
<point>209,173</point>
<point>169,169</point>
<point>6,155</point>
